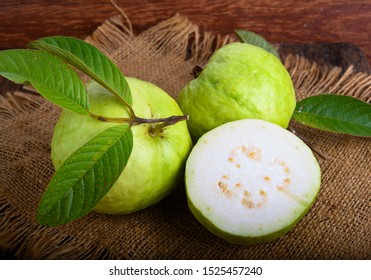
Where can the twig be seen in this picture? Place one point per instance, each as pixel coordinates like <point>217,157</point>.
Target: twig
<point>318,152</point>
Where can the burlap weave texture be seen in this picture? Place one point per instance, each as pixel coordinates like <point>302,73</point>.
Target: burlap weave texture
<point>337,227</point>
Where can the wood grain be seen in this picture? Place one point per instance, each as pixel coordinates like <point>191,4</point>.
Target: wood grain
<point>305,27</point>
<point>278,21</point>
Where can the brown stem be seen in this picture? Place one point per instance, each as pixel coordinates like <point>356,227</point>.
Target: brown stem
<point>169,120</point>
<point>162,122</point>
<point>108,119</point>
<point>196,71</point>
<point>318,152</point>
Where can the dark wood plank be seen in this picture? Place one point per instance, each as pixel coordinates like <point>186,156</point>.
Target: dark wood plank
<point>336,54</point>
<point>279,21</point>
<point>342,55</point>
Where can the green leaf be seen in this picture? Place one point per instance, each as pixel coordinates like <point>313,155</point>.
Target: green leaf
<point>335,113</point>
<point>86,176</point>
<point>49,75</point>
<point>256,40</point>
<point>89,60</point>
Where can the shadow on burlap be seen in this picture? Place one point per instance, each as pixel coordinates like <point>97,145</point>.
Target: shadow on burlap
<point>336,227</point>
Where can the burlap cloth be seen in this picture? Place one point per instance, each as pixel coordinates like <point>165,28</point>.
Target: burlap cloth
<point>336,227</point>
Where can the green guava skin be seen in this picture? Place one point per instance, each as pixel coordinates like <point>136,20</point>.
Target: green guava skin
<point>156,164</point>
<point>240,81</point>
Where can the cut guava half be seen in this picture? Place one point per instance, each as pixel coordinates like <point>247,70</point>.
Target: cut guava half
<point>250,181</point>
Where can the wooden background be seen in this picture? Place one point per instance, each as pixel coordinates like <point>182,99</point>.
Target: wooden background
<point>340,30</point>
<point>286,21</point>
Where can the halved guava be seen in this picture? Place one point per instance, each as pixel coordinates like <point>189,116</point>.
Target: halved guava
<point>251,181</point>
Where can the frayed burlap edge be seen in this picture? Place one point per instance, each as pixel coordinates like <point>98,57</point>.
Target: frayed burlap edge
<point>177,35</point>
<point>21,238</point>
<point>311,79</point>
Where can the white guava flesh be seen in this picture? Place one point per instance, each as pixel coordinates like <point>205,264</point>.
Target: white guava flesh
<point>251,181</point>
<point>156,164</point>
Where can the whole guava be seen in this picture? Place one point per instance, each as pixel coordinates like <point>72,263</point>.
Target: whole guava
<point>240,81</point>
<point>156,164</point>
<point>250,181</point>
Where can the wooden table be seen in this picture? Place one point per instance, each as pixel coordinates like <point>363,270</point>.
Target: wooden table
<point>290,21</point>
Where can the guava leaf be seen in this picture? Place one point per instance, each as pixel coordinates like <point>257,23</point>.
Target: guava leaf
<point>256,40</point>
<point>89,60</point>
<point>86,177</point>
<point>49,75</point>
<point>335,113</point>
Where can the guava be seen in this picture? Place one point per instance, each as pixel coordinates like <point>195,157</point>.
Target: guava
<point>250,181</point>
<point>156,164</point>
<point>240,81</point>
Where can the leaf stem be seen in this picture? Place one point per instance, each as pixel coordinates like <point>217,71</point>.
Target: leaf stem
<point>168,121</point>
<point>318,152</point>
<point>162,122</point>
<point>108,119</point>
